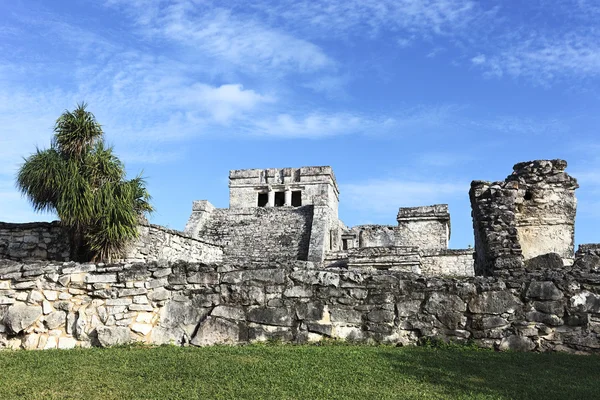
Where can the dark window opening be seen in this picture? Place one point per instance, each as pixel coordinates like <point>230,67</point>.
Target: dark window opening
<point>296,198</point>
<point>279,199</point>
<point>528,195</point>
<point>344,244</point>
<point>263,199</point>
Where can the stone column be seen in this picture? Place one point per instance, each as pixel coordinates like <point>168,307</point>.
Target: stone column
<point>271,198</point>
<point>288,197</point>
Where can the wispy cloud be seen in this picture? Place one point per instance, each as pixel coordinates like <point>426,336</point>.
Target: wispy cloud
<point>355,17</point>
<point>239,39</point>
<point>544,60</point>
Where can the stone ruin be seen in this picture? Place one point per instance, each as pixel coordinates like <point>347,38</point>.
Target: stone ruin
<point>292,213</point>
<point>280,264</point>
<point>530,214</point>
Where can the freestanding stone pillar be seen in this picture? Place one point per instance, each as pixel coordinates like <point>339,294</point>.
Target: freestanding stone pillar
<point>529,214</point>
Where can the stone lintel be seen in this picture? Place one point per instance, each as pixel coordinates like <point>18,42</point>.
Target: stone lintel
<point>434,212</point>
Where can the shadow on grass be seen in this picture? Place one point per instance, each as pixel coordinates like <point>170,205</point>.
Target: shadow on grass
<point>459,371</point>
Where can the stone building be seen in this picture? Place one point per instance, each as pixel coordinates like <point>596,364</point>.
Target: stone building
<point>277,214</point>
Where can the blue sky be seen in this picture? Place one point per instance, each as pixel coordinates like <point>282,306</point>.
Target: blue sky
<point>407,100</point>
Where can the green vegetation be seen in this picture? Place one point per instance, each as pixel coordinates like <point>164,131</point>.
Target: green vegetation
<point>303,372</point>
<point>83,182</point>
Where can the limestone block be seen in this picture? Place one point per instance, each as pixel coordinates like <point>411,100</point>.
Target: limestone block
<point>228,312</point>
<point>175,313</point>
<point>586,302</point>
<point>270,316</point>
<point>140,307</point>
<point>31,341</point>
<point>546,290</point>
<point>144,317</point>
<point>119,302</point>
<point>144,329</point>
<point>4,285</point>
<point>442,302</point>
<point>65,343</point>
<point>160,335</point>
<point>21,316</point>
<point>516,343</point>
<point>204,278</point>
<point>140,299</point>
<point>56,319</point>
<point>113,335</point>
<point>51,343</point>
<point>407,308</point>
<point>345,315</point>
<point>159,294</point>
<point>298,291</point>
<point>97,278</point>
<point>216,331</point>
<point>548,319</point>
<point>495,302</point>
<point>35,297</point>
<point>50,295</point>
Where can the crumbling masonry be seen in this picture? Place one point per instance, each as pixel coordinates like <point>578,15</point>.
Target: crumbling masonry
<point>279,264</point>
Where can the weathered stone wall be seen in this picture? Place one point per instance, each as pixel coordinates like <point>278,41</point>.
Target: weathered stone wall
<point>447,262</point>
<point>375,235</point>
<point>34,241</point>
<point>45,305</point>
<point>529,214</point>
<point>49,241</point>
<point>260,234</point>
<point>427,227</point>
<point>157,243</point>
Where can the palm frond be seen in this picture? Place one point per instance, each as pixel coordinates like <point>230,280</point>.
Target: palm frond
<point>41,178</point>
<point>76,132</point>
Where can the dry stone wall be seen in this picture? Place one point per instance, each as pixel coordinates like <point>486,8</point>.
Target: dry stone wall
<point>47,305</point>
<point>34,241</point>
<point>260,234</point>
<point>447,262</point>
<point>157,243</point>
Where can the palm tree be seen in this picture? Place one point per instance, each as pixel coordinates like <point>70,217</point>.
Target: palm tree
<point>83,182</point>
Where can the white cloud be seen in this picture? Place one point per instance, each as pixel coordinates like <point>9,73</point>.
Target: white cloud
<point>313,125</point>
<point>479,59</point>
<point>224,102</point>
<point>235,38</point>
<point>545,59</point>
<point>371,17</point>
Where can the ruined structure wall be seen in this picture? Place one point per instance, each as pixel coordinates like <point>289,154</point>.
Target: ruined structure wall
<point>34,241</point>
<point>260,234</point>
<point>448,263</point>
<point>157,243</point>
<point>428,235</point>
<point>376,235</point>
<point>45,305</point>
<point>49,241</point>
<point>529,214</point>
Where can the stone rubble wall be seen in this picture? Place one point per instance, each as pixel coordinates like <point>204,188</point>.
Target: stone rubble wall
<point>448,262</point>
<point>260,234</point>
<point>49,241</point>
<point>157,243</point>
<point>34,241</point>
<point>47,305</point>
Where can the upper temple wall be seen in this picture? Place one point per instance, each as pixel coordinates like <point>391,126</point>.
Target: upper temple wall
<point>531,213</point>
<point>276,187</point>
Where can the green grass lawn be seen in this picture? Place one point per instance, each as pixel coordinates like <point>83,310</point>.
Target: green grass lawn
<point>305,372</point>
